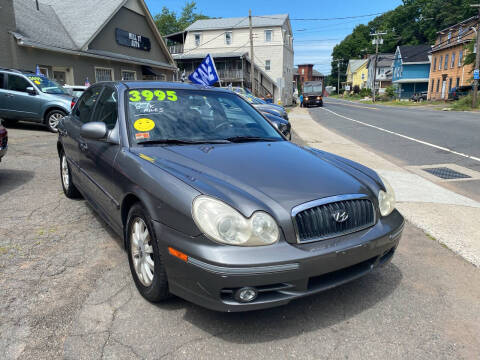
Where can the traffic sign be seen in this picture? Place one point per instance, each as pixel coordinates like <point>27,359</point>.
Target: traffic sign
<point>476,74</point>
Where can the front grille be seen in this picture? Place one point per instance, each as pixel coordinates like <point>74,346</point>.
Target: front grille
<point>318,223</point>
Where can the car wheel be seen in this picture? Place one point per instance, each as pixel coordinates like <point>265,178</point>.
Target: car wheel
<point>144,257</point>
<point>52,119</point>
<point>66,175</point>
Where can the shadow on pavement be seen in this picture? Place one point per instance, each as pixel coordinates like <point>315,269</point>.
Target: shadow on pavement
<point>24,126</point>
<point>303,315</point>
<point>11,179</point>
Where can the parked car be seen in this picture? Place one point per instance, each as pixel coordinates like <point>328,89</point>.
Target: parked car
<point>30,97</point>
<point>419,97</point>
<point>216,206</point>
<point>3,141</point>
<point>281,124</point>
<point>75,90</point>
<point>457,92</point>
<point>262,106</point>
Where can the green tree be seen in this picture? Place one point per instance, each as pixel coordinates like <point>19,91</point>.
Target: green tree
<point>169,22</point>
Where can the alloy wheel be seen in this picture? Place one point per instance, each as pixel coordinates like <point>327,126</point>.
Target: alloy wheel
<point>65,173</point>
<point>142,251</point>
<point>54,119</point>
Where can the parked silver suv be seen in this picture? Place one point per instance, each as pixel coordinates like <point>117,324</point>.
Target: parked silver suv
<point>27,96</point>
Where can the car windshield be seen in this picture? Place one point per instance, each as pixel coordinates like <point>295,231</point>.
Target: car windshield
<point>46,85</point>
<point>312,88</point>
<point>159,115</point>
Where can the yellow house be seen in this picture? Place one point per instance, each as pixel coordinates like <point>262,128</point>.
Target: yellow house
<point>357,73</point>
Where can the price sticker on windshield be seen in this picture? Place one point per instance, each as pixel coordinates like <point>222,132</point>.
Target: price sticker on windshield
<point>152,95</point>
<point>35,79</point>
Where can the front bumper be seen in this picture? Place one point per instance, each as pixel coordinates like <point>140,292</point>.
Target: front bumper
<point>314,101</point>
<point>280,273</point>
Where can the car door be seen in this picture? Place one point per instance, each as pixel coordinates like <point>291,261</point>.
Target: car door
<point>3,95</point>
<point>81,114</point>
<point>97,157</point>
<point>21,104</point>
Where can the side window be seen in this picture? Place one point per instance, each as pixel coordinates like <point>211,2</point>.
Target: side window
<point>106,110</point>
<point>2,77</point>
<point>17,83</point>
<point>87,103</point>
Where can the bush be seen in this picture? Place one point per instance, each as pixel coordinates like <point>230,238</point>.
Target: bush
<point>356,89</point>
<point>365,92</point>
<point>390,91</point>
<point>464,103</point>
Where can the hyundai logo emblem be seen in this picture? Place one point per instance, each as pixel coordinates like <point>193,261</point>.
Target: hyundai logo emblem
<point>340,216</point>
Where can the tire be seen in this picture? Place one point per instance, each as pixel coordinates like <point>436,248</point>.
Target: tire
<point>144,257</point>
<point>69,188</point>
<point>52,118</point>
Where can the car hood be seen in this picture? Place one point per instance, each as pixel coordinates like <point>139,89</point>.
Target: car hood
<point>270,108</point>
<point>273,176</point>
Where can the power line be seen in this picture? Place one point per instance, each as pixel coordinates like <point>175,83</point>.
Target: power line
<point>325,19</point>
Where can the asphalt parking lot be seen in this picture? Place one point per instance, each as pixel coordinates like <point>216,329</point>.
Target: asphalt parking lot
<point>66,291</point>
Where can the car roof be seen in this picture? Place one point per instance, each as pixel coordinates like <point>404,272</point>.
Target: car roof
<point>149,84</point>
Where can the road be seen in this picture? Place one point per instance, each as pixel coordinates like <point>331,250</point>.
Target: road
<point>66,291</point>
<point>409,136</point>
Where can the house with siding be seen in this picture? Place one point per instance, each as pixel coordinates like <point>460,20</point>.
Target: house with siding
<point>383,78</point>
<point>357,73</point>
<point>448,69</point>
<point>71,40</point>
<point>228,41</point>
<point>411,69</point>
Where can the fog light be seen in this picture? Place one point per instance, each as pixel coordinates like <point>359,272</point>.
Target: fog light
<point>246,294</point>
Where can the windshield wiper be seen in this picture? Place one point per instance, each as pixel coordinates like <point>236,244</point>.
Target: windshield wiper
<point>238,139</point>
<point>182,142</point>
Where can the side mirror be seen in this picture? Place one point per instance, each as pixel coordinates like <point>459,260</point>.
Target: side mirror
<point>94,131</point>
<point>31,90</point>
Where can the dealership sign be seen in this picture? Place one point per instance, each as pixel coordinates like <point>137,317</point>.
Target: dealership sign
<point>132,40</point>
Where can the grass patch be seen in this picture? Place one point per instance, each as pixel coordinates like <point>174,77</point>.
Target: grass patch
<point>463,104</point>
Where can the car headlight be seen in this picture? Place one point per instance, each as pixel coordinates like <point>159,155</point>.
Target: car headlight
<point>386,199</point>
<point>222,223</point>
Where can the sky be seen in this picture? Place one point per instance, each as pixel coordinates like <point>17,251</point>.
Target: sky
<point>313,40</point>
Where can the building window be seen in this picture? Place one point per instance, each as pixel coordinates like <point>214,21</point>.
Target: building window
<point>440,63</point>
<point>460,58</point>
<point>449,84</point>
<point>303,71</point>
<point>268,35</point>
<point>129,75</point>
<point>449,37</point>
<point>103,74</point>
<point>438,85</point>
<point>228,38</point>
<point>460,33</point>
<point>197,39</point>
<point>458,82</point>
<point>43,70</point>
<point>433,85</point>
<point>445,67</point>
<point>434,63</point>
<point>267,64</point>
<point>452,63</point>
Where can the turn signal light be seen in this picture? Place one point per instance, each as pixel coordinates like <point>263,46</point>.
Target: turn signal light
<point>178,254</point>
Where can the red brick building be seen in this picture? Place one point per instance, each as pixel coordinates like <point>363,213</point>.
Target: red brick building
<point>305,72</point>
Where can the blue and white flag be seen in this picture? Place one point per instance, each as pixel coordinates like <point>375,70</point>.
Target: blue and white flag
<point>206,74</point>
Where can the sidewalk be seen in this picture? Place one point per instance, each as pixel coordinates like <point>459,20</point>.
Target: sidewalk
<point>450,218</point>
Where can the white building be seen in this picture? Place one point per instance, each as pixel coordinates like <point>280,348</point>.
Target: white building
<point>273,48</point>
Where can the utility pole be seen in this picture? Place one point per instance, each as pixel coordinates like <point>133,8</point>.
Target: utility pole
<point>377,40</point>
<point>338,74</point>
<point>252,65</point>
<point>477,63</point>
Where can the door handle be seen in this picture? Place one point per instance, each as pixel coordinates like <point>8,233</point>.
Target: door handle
<point>83,146</point>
